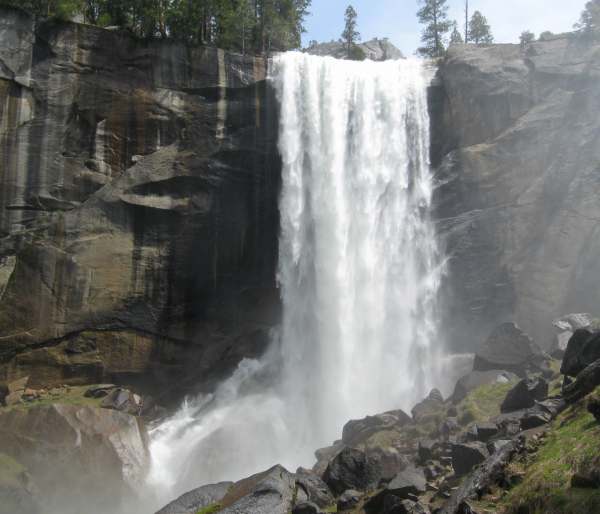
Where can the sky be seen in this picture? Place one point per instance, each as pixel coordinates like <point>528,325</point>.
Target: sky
<point>396,19</point>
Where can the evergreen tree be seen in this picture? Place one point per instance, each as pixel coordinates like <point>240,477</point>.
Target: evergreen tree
<point>350,35</point>
<point>589,23</point>
<point>456,37</point>
<point>526,38</point>
<point>434,15</point>
<point>480,32</point>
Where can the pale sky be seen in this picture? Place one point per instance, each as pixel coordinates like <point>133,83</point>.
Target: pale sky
<point>397,19</point>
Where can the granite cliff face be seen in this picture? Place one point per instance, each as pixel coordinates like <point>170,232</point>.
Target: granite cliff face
<point>517,144</point>
<point>138,212</point>
<point>139,220</point>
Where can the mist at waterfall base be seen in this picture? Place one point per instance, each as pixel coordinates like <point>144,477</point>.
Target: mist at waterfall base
<point>359,270</point>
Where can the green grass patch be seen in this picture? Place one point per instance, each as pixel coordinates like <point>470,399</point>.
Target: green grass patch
<point>482,403</point>
<point>572,441</point>
<point>215,507</point>
<point>73,395</point>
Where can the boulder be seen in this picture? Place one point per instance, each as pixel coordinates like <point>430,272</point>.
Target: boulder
<point>351,469</point>
<point>586,381</point>
<point>356,431</point>
<point>99,391</point>
<point>409,482</point>
<point>426,449</point>
<point>449,427</point>
<point>123,400</point>
<point>348,500</point>
<point>476,379</point>
<point>430,406</point>
<point>572,322</point>
<point>198,499</point>
<point>480,481</point>
<point>582,349</point>
<point>511,349</point>
<point>270,492</point>
<point>375,50</point>
<point>485,431</point>
<point>525,394</point>
<point>15,391</point>
<point>465,456</point>
<point>315,490</point>
<point>306,508</point>
<point>559,347</point>
<point>71,449</point>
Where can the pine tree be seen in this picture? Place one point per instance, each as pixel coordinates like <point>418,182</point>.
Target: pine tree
<point>456,37</point>
<point>434,15</point>
<point>526,38</point>
<point>589,23</point>
<point>479,29</point>
<point>350,35</point>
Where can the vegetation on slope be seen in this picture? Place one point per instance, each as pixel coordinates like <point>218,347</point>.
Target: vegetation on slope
<point>238,25</point>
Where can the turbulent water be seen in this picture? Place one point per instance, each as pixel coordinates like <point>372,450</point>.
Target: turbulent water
<point>358,272</point>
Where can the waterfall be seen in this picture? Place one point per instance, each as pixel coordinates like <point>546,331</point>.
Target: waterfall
<point>358,273</point>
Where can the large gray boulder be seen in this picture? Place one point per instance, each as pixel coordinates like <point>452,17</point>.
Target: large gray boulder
<point>516,146</point>
<point>525,394</point>
<point>358,430</point>
<point>582,350</point>
<point>352,469</point>
<point>198,499</point>
<point>508,347</point>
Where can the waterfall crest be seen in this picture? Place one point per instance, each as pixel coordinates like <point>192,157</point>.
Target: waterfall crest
<point>358,272</point>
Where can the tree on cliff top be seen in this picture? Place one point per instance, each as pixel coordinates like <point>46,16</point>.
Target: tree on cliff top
<point>589,23</point>
<point>237,25</point>
<point>456,37</point>
<point>480,32</point>
<point>434,15</point>
<point>350,36</point>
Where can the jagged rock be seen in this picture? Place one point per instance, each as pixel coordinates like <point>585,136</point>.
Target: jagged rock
<point>314,488</point>
<point>351,469</point>
<point>494,446</point>
<point>358,430</point>
<point>476,379</point>
<point>525,394</point>
<point>15,391</point>
<point>198,499</point>
<point>375,50</point>
<point>572,322</point>
<point>509,348</point>
<point>348,500</point>
<point>99,391</point>
<point>270,492</point>
<point>582,349</point>
<point>325,455</point>
<point>430,406</point>
<point>553,406</point>
<point>306,508</point>
<point>57,443</point>
<point>465,456</point>
<point>490,473</point>
<point>449,427</point>
<point>561,342</point>
<point>410,481</point>
<point>586,381</point>
<point>426,449</point>
<point>485,431</point>
<point>525,419</point>
<point>123,400</point>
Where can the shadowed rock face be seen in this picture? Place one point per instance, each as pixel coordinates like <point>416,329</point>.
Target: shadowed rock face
<point>138,214</point>
<point>517,141</point>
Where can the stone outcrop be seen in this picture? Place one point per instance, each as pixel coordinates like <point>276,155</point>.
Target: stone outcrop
<point>69,450</point>
<point>138,216</point>
<point>516,138</point>
<point>375,50</point>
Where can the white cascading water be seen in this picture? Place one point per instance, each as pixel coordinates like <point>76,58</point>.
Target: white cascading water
<point>358,272</point>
